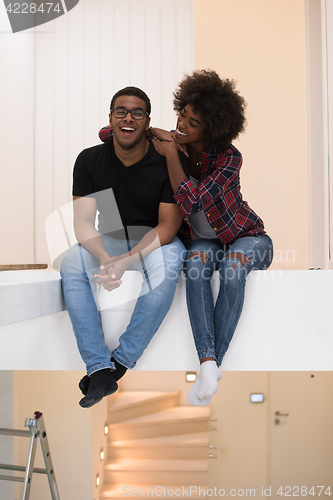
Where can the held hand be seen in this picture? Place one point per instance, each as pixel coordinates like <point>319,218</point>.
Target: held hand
<point>181,147</point>
<point>164,135</point>
<point>161,134</point>
<point>112,271</point>
<point>117,268</point>
<point>165,147</point>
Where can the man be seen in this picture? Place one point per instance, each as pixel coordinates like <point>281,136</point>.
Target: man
<point>125,180</point>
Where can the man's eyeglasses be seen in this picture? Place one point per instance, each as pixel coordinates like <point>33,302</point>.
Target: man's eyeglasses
<point>136,113</point>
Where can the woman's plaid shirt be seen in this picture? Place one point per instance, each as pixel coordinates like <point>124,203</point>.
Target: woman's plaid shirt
<point>218,194</point>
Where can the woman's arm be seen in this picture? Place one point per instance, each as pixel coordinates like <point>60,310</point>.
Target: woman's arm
<point>175,170</point>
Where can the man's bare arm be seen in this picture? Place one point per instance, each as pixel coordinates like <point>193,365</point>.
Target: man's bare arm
<point>85,210</point>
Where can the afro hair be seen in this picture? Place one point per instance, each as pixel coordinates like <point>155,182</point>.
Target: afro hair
<point>219,104</point>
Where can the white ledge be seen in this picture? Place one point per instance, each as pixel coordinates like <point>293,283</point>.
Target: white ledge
<point>29,294</point>
<point>286,324</point>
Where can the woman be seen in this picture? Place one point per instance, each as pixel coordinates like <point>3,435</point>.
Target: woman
<point>220,230</point>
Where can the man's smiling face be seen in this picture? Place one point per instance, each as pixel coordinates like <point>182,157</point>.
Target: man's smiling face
<point>128,132</point>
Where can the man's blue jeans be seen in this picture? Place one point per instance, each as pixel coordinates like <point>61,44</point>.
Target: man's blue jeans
<point>213,327</point>
<point>160,273</point>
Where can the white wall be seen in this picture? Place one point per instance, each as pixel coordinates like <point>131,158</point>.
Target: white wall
<point>56,85</point>
<point>16,144</point>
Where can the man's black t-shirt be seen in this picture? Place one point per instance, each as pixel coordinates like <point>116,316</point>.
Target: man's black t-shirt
<point>125,196</point>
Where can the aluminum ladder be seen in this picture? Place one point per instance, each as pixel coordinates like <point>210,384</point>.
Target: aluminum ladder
<point>36,430</point>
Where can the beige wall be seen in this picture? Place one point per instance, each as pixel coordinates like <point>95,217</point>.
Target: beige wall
<point>262,45</point>
<point>99,415</point>
<point>69,429</point>
<point>251,451</point>
<point>75,435</point>
<point>7,422</point>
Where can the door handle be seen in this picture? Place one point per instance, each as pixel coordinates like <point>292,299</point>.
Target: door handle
<point>278,414</point>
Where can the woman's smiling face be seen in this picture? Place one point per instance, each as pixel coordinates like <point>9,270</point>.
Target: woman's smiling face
<point>190,129</point>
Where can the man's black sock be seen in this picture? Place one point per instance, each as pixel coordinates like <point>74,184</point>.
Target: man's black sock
<point>117,374</point>
<point>101,384</point>
<point>84,384</point>
<point>119,371</point>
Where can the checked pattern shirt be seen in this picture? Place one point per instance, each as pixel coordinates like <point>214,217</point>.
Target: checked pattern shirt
<point>218,194</point>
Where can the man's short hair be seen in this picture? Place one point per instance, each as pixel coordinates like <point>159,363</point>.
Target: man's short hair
<point>135,91</point>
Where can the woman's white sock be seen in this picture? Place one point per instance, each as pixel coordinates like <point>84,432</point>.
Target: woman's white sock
<point>210,375</point>
<point>192,395</point>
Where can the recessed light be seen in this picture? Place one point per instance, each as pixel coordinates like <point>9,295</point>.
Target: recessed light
<point>191,376</point>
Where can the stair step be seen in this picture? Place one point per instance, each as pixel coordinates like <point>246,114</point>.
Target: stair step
<point>130,464</point>
<point>121,491</point>
<point>152,471</point>
<point>173,421</point>
<point>185,446</point>
<point>134,404</point>
<point>175,413</point>
<point>125,398</point>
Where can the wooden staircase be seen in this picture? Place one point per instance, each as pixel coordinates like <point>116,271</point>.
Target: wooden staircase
<point>156,448</point>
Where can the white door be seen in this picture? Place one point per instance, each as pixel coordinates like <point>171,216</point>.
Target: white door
<point>301,443</point>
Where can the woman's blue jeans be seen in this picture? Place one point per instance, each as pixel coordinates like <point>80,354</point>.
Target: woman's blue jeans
<point>213,327</point>
<point>160,274</point>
